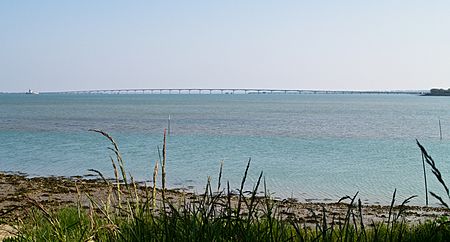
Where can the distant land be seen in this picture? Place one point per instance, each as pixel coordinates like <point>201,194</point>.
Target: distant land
<point>438,92</point>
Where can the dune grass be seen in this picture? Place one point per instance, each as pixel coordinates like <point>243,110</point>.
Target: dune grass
<point>133,213</point>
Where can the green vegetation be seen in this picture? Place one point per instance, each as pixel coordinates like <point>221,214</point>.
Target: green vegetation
<point>439,92</point>
<point>130,213</point>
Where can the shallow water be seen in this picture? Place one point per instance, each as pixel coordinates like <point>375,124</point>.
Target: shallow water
<point>309,146</point>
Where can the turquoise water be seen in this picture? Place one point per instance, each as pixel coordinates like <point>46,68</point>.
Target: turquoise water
<point>309,146</point>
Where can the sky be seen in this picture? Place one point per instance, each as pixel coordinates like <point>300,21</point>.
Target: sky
<point>330,45</point>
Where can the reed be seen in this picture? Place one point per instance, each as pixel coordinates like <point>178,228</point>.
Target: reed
<point>155,174</point>
<point>437,173</point>
<point>214,216</point>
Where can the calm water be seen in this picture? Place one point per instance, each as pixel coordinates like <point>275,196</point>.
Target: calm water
<point>309,146</point>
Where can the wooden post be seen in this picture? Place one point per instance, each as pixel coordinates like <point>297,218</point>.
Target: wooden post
<point>168,125</point>
<point>425,178</point>
<point>440,130</point>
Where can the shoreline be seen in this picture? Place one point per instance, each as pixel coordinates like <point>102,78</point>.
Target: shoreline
<point>16,191</point>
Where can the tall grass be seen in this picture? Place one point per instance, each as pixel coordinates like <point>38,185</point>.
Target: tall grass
<point>134,213</point>
<point>437,173</point>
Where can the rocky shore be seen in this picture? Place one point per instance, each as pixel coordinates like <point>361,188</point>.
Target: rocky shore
<point>18,193</point>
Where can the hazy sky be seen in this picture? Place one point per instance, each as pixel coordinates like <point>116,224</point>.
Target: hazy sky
<point>357,45</point>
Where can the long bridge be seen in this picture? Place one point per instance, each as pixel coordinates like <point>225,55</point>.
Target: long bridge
<point>228,91</point>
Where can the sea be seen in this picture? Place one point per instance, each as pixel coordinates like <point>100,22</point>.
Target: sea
<point>310,147</point>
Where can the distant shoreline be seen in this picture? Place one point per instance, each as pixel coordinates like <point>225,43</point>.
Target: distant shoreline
<point>438,92</point>
<point>436,95</point>
<point>226,91</point>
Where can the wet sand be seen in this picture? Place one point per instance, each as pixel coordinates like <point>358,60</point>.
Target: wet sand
<point>17,191</point>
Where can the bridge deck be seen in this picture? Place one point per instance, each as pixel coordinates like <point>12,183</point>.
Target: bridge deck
<point>228,91</point>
